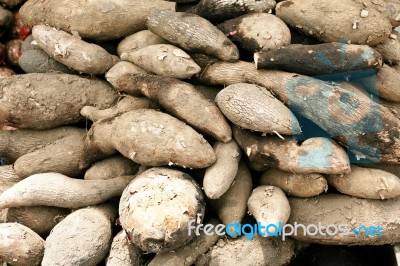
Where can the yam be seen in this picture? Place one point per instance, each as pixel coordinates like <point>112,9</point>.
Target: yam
<point>220,176</point>
<point>92,19</point>
<point>320,59</point>
<point>257,251</point>
<point>183,101</point>
<point>299,185</point>
<point>359,123</point>
<point>164,60</point>
<point>336,20</point>
<point>62,156</point>
<point>47,100</point>
<point>86,232</point>
<point>14,144</point>
<point>390,49</point>
<point>148,137</point>
<point>110,168</point>
<point>255,108</point>
<point>186,255</point>
<point>192,33</point>
<point>256,31</point>
<point>221,10</point>
<point>34,60</point>
<point>269,205</point>
<point>124,105</point>
<point>336,209</point>
<point>41,219</point>
<point>72,51</point>
<point>123,253</point>
<point>315,155</point>
<point>231,207</point>
<point>367,183</point>
<point>116,76</point>
<point>57,190</point>
<point>156,207</point>
<point>137,41</point>
<point>19,245</point>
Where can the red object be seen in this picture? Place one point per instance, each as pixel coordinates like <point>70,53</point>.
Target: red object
<point>19,30</point>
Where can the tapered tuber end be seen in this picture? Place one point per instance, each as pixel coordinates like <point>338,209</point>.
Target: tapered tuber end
<point>124,56</point>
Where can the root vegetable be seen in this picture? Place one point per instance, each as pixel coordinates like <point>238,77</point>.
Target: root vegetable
<point>13,51</point>
<point>231,207</point>
<point>192,33</point>
<point>220,176</point>
<point>14,144</point>
<point>6,72</point>
<point>389,8</point>
<point>269,205</point>
<point>116,76</point>
<point>148,137</point>
<point>34,60</point>
<point>337,20</point>
<point>156,207</point>
<point>367,183</point>
<point>183,101</point>
<point>315,155</point>
<point>126,104</point>
<point>137,41</point>
<point>110,168</point>
<point>299,185</point>
<point>188,254</point>
<point>123,253</point>
<point>62,156</point>
<point>19,245</point>
<point>320,59</point>
<point>221,10</point>
<point>368,129</point>
<point>87,234</point>
<point>257,251</point>
<point>253,107</point>
<point>257,31</point>
<point>164,60</point>
<point>390,49</point>
<point>57,190</point>
<point>94,19</point>
<point>40,219</point>
<point>50,100</point>
<point>72,51</point>
<point>351,211</point>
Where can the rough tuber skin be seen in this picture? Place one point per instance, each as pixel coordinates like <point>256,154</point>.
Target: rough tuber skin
<point>187,254</point>
<point>299,185</point>
<point>366,128</point>
<point>85,235</point>
<point>221,10</point>
<point>72,51</point>
<point>255,108</point>
<point>123,253</point>
<point>367,183</point>
<point>220,176</point>
<point>47,100</point>
<point>315,155</point>
<point>57,190</point>
<point>148,137</point>
<point>62,156</point>
<point>183,101</point>
<point>110,168</point>
<point>232,205</point>
<point>156,207</point>
<point>40,219</point>
<point>192,33</point>
<point>355,212</point>
<point>14,144</point>
<point>19,245</point>
<point>138,40</point>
